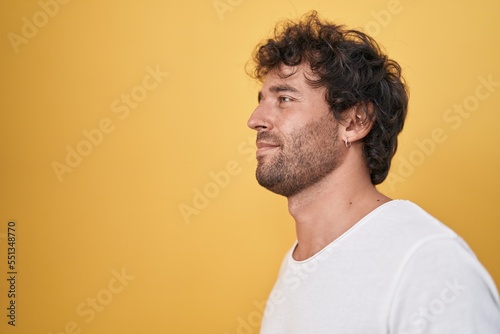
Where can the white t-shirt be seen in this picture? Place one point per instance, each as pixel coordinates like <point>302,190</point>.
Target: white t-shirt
<point>398,270</point>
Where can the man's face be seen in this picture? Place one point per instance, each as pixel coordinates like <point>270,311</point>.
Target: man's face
<point>297,140</point>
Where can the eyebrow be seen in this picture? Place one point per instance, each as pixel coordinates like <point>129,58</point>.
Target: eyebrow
<point>279,89</point>
<point>283,88</point>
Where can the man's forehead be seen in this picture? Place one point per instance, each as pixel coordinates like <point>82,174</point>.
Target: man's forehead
<point>290,77</point>
<point>285,71</point>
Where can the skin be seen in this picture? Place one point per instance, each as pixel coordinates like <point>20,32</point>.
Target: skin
<point>296,132</point>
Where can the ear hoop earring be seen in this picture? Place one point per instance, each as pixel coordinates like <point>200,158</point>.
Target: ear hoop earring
<point>347,143</point>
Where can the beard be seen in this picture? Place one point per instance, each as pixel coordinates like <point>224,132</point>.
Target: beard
<point>306,157</point>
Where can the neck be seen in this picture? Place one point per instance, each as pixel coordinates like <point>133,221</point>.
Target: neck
<point>326,210</point>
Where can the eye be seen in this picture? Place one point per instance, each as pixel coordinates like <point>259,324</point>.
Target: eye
<point>285,99</point>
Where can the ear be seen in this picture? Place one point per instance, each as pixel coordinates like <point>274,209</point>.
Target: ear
<point>357,122</point>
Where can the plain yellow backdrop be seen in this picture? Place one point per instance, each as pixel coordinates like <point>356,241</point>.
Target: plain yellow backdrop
<point>128,168</point>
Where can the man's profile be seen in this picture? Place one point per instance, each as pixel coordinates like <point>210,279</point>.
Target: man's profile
<point>330,109</point>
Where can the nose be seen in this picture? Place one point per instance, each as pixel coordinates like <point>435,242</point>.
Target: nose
<point>259,120</point>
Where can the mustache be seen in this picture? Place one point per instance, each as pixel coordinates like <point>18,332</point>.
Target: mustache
<point>270,138</point>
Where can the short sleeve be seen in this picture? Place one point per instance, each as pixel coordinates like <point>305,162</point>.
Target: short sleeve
<point>442,288</point>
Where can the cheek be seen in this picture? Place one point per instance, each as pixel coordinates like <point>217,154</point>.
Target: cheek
<point>292,124</point>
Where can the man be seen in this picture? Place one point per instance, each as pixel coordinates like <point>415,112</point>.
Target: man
<point>330,109</point>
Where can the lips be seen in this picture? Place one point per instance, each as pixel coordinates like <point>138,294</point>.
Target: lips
<point>266,142</point>
<point>263,147</point>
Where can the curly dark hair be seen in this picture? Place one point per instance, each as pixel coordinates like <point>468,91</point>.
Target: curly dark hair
<point>354,71</point>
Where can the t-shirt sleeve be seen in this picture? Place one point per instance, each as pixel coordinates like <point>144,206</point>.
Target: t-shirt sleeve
<point>442,288</point>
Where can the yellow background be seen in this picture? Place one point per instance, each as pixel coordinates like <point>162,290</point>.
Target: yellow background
<point>118,210</point>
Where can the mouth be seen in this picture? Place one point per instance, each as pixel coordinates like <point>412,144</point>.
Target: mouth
<point>263,147</point>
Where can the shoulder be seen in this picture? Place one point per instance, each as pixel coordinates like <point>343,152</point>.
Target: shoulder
<point>441,287</point>
<point>406,214</point>
<point>404,223</point>
<point>395,229</point>
<point>437,284</point>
